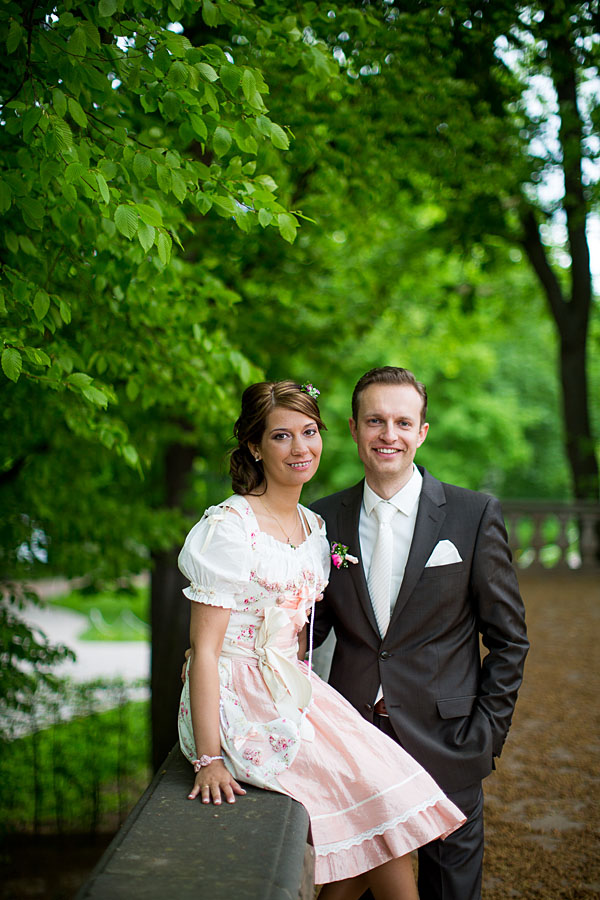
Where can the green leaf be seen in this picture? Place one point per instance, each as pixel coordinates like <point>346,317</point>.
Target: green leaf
<point>164,244</point>
<point>41,304</point>
<point>92,34</point>
<point>77,42</point>
<point>171,105</point>
<point>178,74</point>
<point>179,186</point>
<point>12,363</point>
<point>126,220</point>
<point>5,196</point>
<point>163,178</point>
<point>142,166</point>
<point>248,85</point>
<point>210,13</point>
<point>225,206</point>
<point>199,126</point>
<point>95,396</point>
<point>149,215</point>
<point>37,356</point>
<point>74,171</point>
<point>63,133</point>
<point>287,227</point>
<point>208,71</point>
<point>221,141</point>
<point>2,303</point>
<point>146,235</point>
<point>278,137</point>
<point>77,113</point>
<point>12,241</point>
<point>30,120</point>
<point>107,8</point>
<point>230,76</point>
<point>65,311</point>
<point>265,217</point>
<point>80,379</point>
<point>130,455</point>
<point>103,187</point>
<point>59,102</point>
<point>27,245</point>
<point>32,210</point>
<point>13,40</point>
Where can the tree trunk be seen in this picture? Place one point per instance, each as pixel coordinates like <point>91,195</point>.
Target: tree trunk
<point>579,441</point>
<point>170,616</point>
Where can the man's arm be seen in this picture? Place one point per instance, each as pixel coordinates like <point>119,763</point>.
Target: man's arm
<point>501,622</point>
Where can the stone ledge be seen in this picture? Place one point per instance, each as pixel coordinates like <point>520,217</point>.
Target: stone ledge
<point>172,847</point>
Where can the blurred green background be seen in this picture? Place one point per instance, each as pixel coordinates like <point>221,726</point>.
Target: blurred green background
<point>195,196</point>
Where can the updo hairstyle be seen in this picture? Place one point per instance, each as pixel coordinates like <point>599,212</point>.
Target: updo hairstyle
<point>258,401</point>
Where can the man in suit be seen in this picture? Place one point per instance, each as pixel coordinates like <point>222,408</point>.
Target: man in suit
<point>434,573</point>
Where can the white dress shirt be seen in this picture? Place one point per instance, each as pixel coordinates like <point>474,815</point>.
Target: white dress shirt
<point>403,523</point>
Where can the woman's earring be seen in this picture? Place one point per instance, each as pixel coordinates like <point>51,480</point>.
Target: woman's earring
<point>257,457</point>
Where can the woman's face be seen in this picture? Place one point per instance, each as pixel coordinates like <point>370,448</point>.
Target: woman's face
<point>290,447</point>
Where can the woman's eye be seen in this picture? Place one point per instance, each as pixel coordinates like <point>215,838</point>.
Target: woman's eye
<point>310,432</point>
<point>281,435</point>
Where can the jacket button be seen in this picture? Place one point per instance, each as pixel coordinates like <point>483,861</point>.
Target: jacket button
<point>384,654</point>
<point>369,707</point>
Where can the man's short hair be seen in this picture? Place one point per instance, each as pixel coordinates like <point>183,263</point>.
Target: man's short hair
<point>389,375</point>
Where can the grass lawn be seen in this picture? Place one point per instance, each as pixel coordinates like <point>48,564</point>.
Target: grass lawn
<point>112,615</point>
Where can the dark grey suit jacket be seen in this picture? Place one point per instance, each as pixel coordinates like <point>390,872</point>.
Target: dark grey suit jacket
<point>449,709</point>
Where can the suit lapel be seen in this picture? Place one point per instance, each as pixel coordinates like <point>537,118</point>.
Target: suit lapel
<point>430,517</point>
<point>348,522</point>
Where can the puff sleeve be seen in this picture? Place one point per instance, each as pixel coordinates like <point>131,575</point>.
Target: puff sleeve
<point>216,558</point>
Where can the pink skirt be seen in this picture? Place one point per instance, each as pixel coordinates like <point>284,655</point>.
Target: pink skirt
<point>368,801</point>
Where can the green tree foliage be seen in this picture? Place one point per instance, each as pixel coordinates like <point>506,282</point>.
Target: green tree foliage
<point>194,194</point>
<point>119,137</point>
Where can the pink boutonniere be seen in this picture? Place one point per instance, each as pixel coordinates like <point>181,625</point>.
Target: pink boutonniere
<point>340,556</point>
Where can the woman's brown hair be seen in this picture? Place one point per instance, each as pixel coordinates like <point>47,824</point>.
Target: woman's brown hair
<point>258,401</point>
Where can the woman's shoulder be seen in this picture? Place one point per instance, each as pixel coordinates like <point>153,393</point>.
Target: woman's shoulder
<point>236,506</point>
<point>315,522</point>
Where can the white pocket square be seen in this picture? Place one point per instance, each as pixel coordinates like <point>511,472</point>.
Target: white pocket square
<point>444,553</point>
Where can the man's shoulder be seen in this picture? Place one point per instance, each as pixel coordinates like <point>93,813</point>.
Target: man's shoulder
<point>332,502</point>
<point>453,493</point>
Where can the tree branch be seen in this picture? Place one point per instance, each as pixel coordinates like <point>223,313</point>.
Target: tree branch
<point>532,244</point>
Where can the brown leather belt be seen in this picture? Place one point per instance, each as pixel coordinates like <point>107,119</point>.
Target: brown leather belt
<point>379,708</point>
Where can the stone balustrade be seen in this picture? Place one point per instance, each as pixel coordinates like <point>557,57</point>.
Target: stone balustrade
<point>549,535</point>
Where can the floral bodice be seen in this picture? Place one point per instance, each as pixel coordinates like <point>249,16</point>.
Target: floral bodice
<point>232,564</point>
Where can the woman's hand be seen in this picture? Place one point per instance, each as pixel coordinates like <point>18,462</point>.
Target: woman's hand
<point>211,781</point>
<point>187,654</point>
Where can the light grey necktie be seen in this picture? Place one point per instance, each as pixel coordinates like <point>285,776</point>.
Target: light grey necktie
<point>380,571</point>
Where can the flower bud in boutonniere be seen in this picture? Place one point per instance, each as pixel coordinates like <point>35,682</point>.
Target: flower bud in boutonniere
<point>340,556</point>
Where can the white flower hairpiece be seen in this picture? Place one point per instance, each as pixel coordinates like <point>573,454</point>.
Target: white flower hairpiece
<point>310,389</point>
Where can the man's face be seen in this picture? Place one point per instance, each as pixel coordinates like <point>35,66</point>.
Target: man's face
<point>387,432</point>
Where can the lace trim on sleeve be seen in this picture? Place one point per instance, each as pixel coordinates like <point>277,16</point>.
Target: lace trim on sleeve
<point>200,594</point>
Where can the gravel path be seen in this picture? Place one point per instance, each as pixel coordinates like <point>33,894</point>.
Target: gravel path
<point>542,803</point>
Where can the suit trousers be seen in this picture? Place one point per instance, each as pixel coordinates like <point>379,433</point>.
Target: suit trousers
<point>451,869</point>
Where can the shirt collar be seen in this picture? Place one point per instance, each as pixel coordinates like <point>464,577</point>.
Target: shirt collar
<point>404,500</point>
